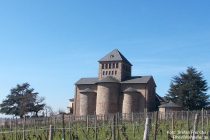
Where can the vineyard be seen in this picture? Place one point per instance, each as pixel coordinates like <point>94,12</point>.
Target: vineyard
<point>177,125</point>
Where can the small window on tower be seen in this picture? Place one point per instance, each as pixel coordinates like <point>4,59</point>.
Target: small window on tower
<point>115,72</point>
<point>103,72</point>
<point>116,65</point>
<point>112,72</point>
<point>109,72</point>
<point>106,72</point>
<point>106,66</point>
<point>102,66</point>
<point>113,65</point>
<point>109,65</point>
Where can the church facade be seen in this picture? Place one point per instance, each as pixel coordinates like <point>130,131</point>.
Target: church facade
<point>115,89</point>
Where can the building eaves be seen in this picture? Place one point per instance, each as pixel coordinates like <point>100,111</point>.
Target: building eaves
<point>87,81</point>
<point>137,80</point>
<point>169,105</point>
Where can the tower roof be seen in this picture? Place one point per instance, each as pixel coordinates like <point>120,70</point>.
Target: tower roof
<point>114,55</point>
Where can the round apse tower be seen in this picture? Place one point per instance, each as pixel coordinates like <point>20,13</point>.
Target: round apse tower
<point>130,101</point>
<point>87,102</point>
<point>108,91</point>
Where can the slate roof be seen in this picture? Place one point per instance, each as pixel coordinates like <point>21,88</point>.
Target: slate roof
<point>115,55</point>
<point>160,99</point>
<point>138,80</point>
<point>87,90</point>
<point>169,105</point>
<point>130,89</point>
<point>109,79</point>
<point>87,81</point>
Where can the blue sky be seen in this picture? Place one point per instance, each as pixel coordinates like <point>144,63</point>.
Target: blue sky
<point>51,44</point>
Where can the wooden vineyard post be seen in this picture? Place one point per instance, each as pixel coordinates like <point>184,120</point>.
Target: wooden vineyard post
<point>10,127</point>
<point>133,124</point>
<point>70,127</point>
<point>16,128</point>
<point>96,131</point>
<point>207,120</point>
<point>202,119</point>
<point>87,122</point>
<point>113,128</point>
<point>63,128</point>
<point>55,122</point>
<point>104,120</point>
<point>146,129</point>
<point>132,117</point>
<point>188,125</point>
<point>51,132</point>
<point>182,115</point>
<point>173,124</point>
<point>24,122</point>
<point>195,127</point>
<point>156,122</point>
<point>117,125</point>
<point>35,127</point>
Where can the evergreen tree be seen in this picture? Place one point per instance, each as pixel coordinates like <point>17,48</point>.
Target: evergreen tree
<point>189,90</point>
<point>21,100</point>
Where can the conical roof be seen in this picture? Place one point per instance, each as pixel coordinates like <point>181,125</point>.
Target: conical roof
<point>108,79</point>
<point>114,55</point>
<point>87,90</point>
<point>130,89</point>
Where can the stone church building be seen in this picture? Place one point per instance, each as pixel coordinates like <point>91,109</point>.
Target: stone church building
<point>115,89</point>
